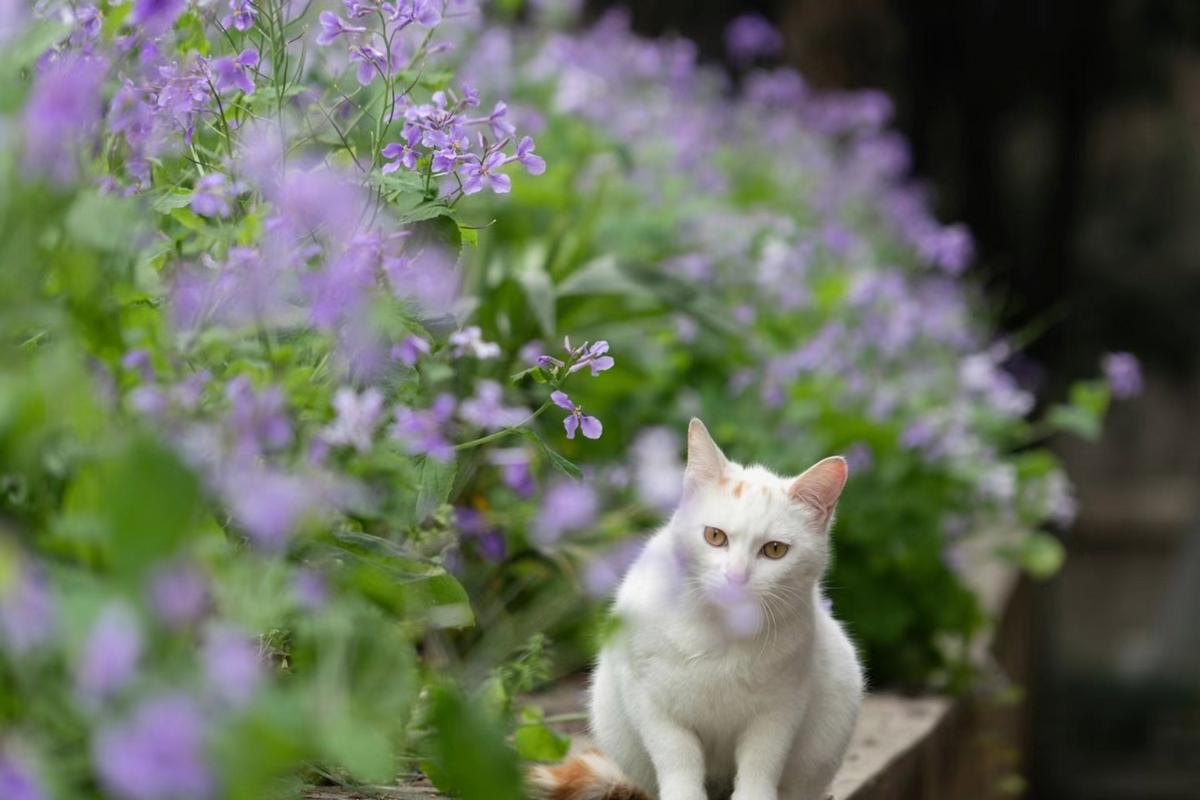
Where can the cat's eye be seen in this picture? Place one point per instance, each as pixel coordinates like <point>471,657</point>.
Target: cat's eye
<point>715,536</point>
<point>774,550</point>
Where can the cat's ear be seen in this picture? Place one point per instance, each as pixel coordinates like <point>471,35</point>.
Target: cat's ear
<point>820,486</point>
<point>705,461</point>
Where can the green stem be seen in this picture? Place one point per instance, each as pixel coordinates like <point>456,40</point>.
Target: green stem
<point>500,434</point>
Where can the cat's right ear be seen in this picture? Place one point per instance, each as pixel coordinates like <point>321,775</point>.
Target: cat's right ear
<point>705,461</point>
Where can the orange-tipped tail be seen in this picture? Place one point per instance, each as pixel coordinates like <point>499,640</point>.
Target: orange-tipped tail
<point>588,776</point>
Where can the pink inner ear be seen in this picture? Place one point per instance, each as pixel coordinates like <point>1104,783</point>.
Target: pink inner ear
<point>821,485</point>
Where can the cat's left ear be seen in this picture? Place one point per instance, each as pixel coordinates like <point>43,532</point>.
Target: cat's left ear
<point>705,461</point>
<point>820,486</point>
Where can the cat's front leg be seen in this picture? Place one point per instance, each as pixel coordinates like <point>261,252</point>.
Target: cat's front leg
<point>762,752</point>
<point>674,750</point>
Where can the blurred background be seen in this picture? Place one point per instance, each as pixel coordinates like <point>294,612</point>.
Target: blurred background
<point>1067,136</point>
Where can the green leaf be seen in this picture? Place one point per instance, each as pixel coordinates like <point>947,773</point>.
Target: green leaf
<point>1040,554</point>
<point>151,503</point>
<point>468,757</point>
<point>103,222</point>
<point>435,482</point>
<point>1084,414</point>
<point>424,211</point>
<point>602,275</point>
<point>556,459</point>
<point>536,741</point>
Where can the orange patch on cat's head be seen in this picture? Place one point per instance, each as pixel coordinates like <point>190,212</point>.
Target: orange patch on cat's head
<point>737,490</point>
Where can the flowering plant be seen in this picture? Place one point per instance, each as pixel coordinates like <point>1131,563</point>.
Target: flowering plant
<point>292,489</point>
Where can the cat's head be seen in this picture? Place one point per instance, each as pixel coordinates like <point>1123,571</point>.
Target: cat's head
<point>747,532</point>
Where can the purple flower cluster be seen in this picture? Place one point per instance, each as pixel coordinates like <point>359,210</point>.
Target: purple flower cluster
<point>157,753</point>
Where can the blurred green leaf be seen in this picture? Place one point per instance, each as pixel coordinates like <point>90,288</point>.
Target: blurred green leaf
<point>468,756</point>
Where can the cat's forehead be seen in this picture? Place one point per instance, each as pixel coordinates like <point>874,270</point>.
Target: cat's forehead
<point>747,496</point>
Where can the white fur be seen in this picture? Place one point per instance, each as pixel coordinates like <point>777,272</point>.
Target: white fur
<point>693,702</point>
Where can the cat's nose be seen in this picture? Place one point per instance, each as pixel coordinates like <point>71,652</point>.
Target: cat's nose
<point>738,575</point>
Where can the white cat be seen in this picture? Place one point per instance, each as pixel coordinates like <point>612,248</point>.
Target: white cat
<point>726,673</point>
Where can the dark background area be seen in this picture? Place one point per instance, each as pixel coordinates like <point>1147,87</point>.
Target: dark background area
<point>1067,136</point>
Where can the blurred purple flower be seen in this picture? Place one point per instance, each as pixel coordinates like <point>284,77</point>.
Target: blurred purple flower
<point>513,463</point>
<point>426,13</point>
<point>603,573</point>
<point>423,431</point>
<point>577,420</point>
<point>740,610</point>
<point>357,418</point>
<point>110,654</point>
<point>156,15</point>
<point>333,26</point>
<point>430,279</point>
<point>18,781</point>
<point>178,595</point>
<point>410,349</point>
<point>488,540</point>
<point>259,418</point>
<point>139,361</point>
<point>567,506</point>
<point>63,107</point>
<point>234,73</point>
<point>242,17</point>
<point>28,611</point>
<point>311,589</point>
<point>751,36</point>
<point>268,505</point>
<point>859,457</point>
<point>158,753</point>
<point>470,341</point>
<point>658,468</point>
<point>1124,374</point>
<point>486,408</point>
<point>209,199</point>
<point>233,667</point>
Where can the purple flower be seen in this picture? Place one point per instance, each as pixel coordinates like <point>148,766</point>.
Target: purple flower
<point>63,108</point>
<point>484,174</point>
<point>156,15</point>
<point>469,341</point>
<point>208,199</point>
<point>423,12</point>
<point>590,426</point>
<point>403,154</point>
<point>234,73</point>
<point>311,589</point>
<point>18,781</point>
<point>268,505</point>
<point>658,468</point>
<point>28,611</point>
<point>566,507</point>
<point>489,541</point>
<point>593,356</point>
<point>110,654</point>
<point>513,463</point>
<point>431,279</point>
<point>859,457</point>
<point>259,417</point>
<point>1124,374</point>
<point>242,16</point>
<point>372,62</point>
<point>487,410</point>
<point>534,164</point>
<point>158,753</point>
<point>178,595</point>
<point>422,431</point>
<point>498,121</point>
<point>139,361</point>
<point>357,418</point>
<point>333,26</point>
<point>603,573</point>
<point>751,36</point>
<point>233,667</point>
<point>410,349</point>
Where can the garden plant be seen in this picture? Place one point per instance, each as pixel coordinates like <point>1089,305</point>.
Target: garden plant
<point>347,351</point>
